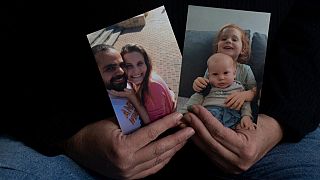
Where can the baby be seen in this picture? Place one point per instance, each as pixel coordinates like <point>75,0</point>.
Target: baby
<point>222,73</point>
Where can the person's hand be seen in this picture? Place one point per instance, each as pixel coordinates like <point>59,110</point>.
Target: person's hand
<point>127,93</point>
<point>246,123</point>
<point>102,147</point>
<point>200,83</point>
<point>234,151</point>
<point>133,98</point>
<point>235,100</point>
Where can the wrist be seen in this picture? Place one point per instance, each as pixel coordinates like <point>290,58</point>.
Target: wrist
<point>247,117</point>
<point>72,143</point>
<point>270,125</point>
<point>249,95</point>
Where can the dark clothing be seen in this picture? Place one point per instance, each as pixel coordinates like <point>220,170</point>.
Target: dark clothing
<point>56,88</point>
<point>291,88</point>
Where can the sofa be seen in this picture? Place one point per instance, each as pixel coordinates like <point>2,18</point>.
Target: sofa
<point>198,47</point>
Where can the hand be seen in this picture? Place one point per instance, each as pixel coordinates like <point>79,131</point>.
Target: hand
<point>246,123</point>
<point>127,93</point>
<point>133,98</point>
<point>102,147</point>
<point>235,100</point>
<point>200,83</point>
<point>234,151</point>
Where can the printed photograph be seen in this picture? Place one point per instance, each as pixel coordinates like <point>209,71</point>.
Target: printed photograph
<point>223,62</point>
<point>140,62</point>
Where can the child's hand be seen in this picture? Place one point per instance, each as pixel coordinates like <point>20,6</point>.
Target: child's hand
<point>246,123</point>
<point>127,93</point>
<point>200,83</point>
<point>235,100</point>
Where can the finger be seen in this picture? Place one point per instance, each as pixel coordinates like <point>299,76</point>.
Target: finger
<point>231,96</point>
<point>146,134</point>
<point>221,161</point>
<point>115,93</point>
<point>164,145</point>
<point>111,92</point>
<point>211,144</point>
<point>198,127</point>
<point>252,126</point>
<point>203,81</point>
<point>195,88</point>
<point>226,136</point>
<point>243,124</point>
<point>235,104</point>
<point>230,102</point>
<point>127,90</point>
<point>150,171</point>
<point>183,125</point>
<point>239,106</point>
<point>158,159</point>
<point>238,126</point>
<point>210,151</point>
<point>201,84</point>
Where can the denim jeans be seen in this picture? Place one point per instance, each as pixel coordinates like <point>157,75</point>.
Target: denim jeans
<point>285,161</point>
<point>18,161</point>
<point>228,117</point>
<point>290,160</point>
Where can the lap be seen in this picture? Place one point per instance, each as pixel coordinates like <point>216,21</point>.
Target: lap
<point>290,160</point>
<point>18,161</point>
<point>285,161</point>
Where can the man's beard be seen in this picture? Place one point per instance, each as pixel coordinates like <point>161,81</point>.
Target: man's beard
<point>117,86</point>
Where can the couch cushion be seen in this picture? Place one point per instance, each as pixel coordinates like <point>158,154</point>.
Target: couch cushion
<point>258,54</point>
<point>197,49</point>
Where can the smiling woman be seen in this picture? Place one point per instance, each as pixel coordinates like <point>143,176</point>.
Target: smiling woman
<point>152,90</point>
<point>136,67</point>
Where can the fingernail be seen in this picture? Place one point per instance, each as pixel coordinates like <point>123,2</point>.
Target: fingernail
<point>178,115</point>
<point>190,132</point>
<point>189,108</point>
<point>182,125</point>
<point>187,118</point>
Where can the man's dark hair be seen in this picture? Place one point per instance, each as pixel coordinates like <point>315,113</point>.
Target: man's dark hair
<point>101,47</point>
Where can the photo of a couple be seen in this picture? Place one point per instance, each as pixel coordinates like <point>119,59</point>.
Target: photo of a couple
<point>140,74</point>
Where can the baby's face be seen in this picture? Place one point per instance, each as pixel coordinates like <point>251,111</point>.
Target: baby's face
<point>221,71</point>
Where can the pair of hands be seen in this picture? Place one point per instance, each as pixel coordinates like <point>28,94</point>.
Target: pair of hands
<point>234,151</point>
<point>102,147</point>
<point>233,101</point>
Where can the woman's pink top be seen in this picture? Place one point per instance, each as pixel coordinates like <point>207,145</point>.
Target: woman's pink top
<point>161,100</point>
